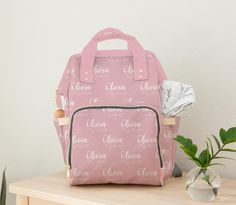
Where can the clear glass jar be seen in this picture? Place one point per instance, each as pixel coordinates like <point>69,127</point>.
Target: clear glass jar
<point>203,184</point>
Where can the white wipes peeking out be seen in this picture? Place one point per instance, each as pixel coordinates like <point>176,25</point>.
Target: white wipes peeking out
<point>176,97</point>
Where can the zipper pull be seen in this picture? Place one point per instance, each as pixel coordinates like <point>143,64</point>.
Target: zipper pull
<point>162,176</point>
<point>67,166</point>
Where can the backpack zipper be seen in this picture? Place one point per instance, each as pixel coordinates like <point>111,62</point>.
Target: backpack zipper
<point>68,165</point>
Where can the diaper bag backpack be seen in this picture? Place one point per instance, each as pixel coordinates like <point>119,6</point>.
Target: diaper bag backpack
<point>112,128</point>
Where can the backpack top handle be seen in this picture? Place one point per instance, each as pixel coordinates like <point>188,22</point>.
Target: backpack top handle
<point>89,53</point>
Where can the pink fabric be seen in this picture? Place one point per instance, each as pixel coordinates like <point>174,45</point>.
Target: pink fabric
<point>115,145</point>
<point>89,53</point>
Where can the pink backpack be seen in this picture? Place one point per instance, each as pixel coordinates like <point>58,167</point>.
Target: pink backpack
<point>112,131</point>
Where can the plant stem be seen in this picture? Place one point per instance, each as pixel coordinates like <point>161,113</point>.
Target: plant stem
<point>195,178</point>
<point>219,150</point>
<point>208,180</point>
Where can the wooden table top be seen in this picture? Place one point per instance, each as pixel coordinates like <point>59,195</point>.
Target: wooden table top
<point>55,188</point>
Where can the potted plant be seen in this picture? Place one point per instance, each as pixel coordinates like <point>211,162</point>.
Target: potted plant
<point>3,189</point>
<point>203,182</point>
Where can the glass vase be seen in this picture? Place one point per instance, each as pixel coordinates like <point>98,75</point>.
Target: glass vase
<point>203,184</point>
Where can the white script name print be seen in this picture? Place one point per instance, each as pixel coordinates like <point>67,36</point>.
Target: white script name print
<point>66,135</point>
<point>109,139</point>
<point>99,70</point>
<point>147,87</point>
<point>112,110</point>
<point>115,87</point>
<point>93,101</point>
<point>168,166</point>
<point>144,110</point>
<point>79,140</point>
<point>92,123</point>
<point>144,172</point>
<point>133,100</point>
<point>109,172</point>
<point>92,155</point>
<point>150,56</point>
<point>127,123</point>
<point>128,155</point>
<point>80,87</point>
<point>128,69</point>
<point>168,134</point>
<point>80,173</point>
<point>144,139</point>
<point>70,71</point>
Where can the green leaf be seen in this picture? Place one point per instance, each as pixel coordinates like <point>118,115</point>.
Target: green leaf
<point>228,136</point>
<point>205,157</point>
<point>223,135</point>
<point>228,150</point>
<point>183,141</point>
<point>3,189</point>
<point>232,132</point>
<point>212,150</point>
<point>190,151</point>
<point>217,141</point>
<point>187,145</point>
<point>196,160</point>
<point>208,152</point>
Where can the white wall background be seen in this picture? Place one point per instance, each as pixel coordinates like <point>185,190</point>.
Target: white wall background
<point>195,41</point>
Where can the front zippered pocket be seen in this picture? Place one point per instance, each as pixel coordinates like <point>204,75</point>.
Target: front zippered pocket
<point>128,122</point>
